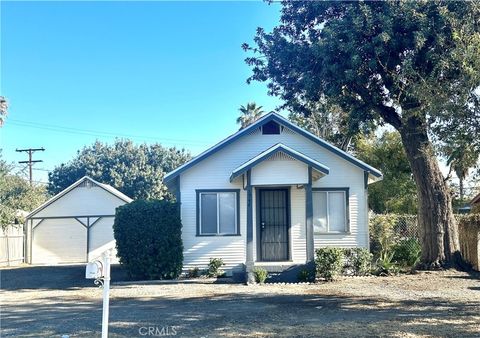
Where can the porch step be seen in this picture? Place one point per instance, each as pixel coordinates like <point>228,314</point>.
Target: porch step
<point>282,271</point>
<point>276,266</point>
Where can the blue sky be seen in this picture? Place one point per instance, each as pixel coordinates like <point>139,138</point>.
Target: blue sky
<point>167,72</point>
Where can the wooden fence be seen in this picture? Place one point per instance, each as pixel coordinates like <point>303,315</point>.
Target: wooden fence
<point>11,245</point>
<point>469,236</point>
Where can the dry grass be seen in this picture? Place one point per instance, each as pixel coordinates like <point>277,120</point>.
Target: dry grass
<point>436,304</point>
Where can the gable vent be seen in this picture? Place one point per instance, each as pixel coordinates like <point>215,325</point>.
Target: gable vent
<point>271,128</point>
<point>86,184</point>
<point>255,131</point>
<point>287,131</point>
<point>280,156</point>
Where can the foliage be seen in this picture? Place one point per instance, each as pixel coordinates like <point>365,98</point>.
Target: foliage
<point>372,57</point>
<point>249,114</point>
<point>411,64</point>
<point>149,239</point>
<point>306,275</point>
<point>407,252</point>
<point>394,241</point>
<point>396,193</point>
<point>458,142</point>
<point>329,262</point>
<point>358,261</point>
<point>135,170</point>
<point>260,274</point>
<point>193,273</point>
<point>214,267</point>
<point>16,194</point>
<point>382,233</point>
<point>3,110</point>
<point>388,230</point>
<point>325,120</point>
<point>475,208</point>
<point>385,264</point>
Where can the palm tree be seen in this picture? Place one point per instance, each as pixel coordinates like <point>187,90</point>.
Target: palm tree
<point>249,114</point>
<point>461,160</point>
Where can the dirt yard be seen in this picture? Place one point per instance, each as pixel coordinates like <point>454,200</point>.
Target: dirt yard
<point>437,304</point>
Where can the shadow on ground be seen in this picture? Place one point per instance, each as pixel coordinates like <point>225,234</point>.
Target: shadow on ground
<point>59,277</point>
<point>241,314</point>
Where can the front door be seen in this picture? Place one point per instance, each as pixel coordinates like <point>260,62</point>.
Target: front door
<point>273,224</point>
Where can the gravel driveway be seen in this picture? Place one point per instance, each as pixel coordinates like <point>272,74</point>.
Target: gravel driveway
<point>439,304</point>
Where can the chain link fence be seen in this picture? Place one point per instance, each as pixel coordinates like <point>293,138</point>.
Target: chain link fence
<point>396,238</point>
<point>391,231</point>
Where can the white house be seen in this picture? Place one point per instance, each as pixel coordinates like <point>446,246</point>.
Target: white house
<point>269,195</point>
<point>75,226</point>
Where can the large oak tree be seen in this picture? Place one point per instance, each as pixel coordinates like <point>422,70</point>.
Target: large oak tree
<point>409,64</point>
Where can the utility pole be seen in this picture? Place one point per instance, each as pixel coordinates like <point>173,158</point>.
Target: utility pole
<point>30,162</point>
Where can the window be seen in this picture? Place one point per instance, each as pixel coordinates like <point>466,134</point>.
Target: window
<point>330,209</point>
<point>217,212</point>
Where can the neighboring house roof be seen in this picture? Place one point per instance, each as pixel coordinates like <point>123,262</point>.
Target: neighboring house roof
<point>475,200</point>
<point>283,121</point>
<point>279,147</point>
<point>106,187</point>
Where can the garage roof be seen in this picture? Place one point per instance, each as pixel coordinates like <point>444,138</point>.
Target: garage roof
<point>106,187</point>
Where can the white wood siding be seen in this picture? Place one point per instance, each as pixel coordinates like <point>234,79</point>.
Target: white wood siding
<point>272,172</point>
<point>214,173</point>
<point>101,239</point>
<point>64,240</point>
<point>298,229</point>
<point>83,201</point>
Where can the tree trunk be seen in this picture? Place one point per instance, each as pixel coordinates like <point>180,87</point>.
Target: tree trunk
<point>437,227</point>
<point>460,179</point>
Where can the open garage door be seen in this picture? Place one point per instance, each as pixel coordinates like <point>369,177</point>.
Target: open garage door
<point>57,241</point>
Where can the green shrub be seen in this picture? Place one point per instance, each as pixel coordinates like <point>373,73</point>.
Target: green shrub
<point>306,275</point>
<point>407,252</point>
<point>382,235</point>
<point>149,239</point>
<point>386,231</point>
<point>329,262</point>
<point>260,274</point>
<point>193,273</point>
<point>358,261</point>
<point>385,265</point>
<point>214,267</point>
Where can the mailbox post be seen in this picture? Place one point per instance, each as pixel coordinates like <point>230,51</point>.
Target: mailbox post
<point>100,271</point>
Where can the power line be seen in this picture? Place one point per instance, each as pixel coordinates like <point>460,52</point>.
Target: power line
<point>30,161</point>
<point>42,169</point>
<point>89,132</point>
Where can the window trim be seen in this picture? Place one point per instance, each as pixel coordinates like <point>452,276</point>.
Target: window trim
<point>237,212</point>
<point>346,192</point>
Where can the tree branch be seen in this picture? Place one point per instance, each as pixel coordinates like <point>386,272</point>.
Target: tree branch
<point>390,116</point>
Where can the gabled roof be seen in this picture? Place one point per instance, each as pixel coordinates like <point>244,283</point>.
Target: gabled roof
<point>279,147</point>
<point>476,199</point>
<point>106,187</point>
<point>286,123</point>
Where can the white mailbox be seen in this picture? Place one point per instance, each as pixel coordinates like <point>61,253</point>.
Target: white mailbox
<point>94,270</point>
<point>100,271</point>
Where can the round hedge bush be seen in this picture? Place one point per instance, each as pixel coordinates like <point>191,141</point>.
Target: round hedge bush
<point>149,239</point>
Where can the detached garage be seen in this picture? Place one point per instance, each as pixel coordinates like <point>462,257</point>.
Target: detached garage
<point>74,226</point>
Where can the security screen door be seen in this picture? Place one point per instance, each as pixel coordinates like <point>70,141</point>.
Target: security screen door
<point>273,217</point>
